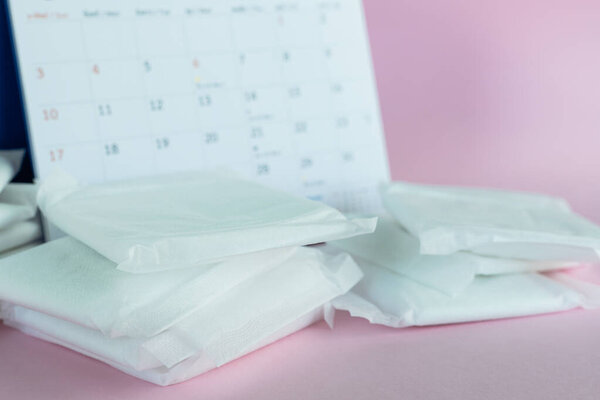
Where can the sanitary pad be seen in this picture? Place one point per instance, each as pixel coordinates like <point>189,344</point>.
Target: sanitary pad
<point>120,352</point>
<point>10,163</point>
<point>17,204</point>
<point>272,302</point>
<point>67,279</point>
<point>19,234</point>
<point>187,219</point>
<point>19,224</point>
<point>387,298</point>
<point>446,220</point>
<point>169,326</point>
<point>394,248</point>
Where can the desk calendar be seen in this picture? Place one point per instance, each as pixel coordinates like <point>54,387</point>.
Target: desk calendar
<point>281,91</point>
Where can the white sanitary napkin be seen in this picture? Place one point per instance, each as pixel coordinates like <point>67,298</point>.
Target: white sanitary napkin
<point>10,163</point>
<point>20,234</point>
<point>451,255</point>
<point>19,223</point>
<point>446,220</point>
<point>394,248</point>
<point>387,298</point>
<point>120,352</point>
<point>177,221</point>
<point>17,204</point>
<point>168,326</point>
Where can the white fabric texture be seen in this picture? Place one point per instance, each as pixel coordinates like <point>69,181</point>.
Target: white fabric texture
<point>280,300</point>
<point>394,248</point>
<point>10,164</point>
<point>17,204</point>
<point>492,222</point>
<point>175,221</point>
<point>119,352</point>
<point>19,249</point>
<point>277,298</point>
<point>20,234</point>
<point>384,297</point>
<point>66,279</point>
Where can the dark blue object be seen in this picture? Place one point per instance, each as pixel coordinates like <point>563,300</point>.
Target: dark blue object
<point>13,134</point>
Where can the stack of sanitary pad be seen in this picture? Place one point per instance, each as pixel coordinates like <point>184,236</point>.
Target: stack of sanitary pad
<point>447,255</point>
<point>168,277</point>
<point>19,223</point>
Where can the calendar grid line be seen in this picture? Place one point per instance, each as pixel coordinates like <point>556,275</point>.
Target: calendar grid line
<point>279,91</point>
<point>321,5</point>
<point>90,86</point>
<point>193,92</point>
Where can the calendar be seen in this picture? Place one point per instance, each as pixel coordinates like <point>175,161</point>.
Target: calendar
<point>281,91</point>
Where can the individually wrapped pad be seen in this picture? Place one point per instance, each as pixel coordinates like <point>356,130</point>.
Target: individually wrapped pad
<point>394,248</point>
<point>254,313</point>
<point>491,222</point>
<point>20,234</point>
<point>259,306</point>
<point>120,352</point>
<point>186,219</point>
<point>123,350</point>
<point>387,298</point>
<point>66,279</point>
<point>17,203</point>
<point>10,163</point>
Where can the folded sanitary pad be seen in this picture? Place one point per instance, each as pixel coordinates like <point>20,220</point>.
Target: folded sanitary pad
<point>119,353</point>
<point>394,248</point>
<point>10,163</point>
<point>387,298</point>
<point>19,224</point>
<point>177,221</point>
<point>271,302</point>
<point>19,234</point>
<point>168,326</point>
<point>446,220</point>
<point>17,204</point>
<point>67,279</point>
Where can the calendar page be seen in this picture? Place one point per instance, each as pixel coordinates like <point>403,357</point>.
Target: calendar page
<point>281,91</point>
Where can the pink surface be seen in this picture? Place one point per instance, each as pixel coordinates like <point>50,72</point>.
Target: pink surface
<point>546,357</point>
<point>492,93</point>
<point>588,273</point>
<point>503,94</point>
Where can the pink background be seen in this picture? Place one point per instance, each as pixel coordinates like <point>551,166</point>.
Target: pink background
<point>503,94</point>
<point>549,357</point>
<point>492,93</point>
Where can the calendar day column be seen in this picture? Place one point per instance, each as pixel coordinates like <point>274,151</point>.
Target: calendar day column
<point>53,60</point>
<point>263,93</point>
<point>354,104</point>
<point>117,89</point>
<point>308,98</point>
<point>216,100</point>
